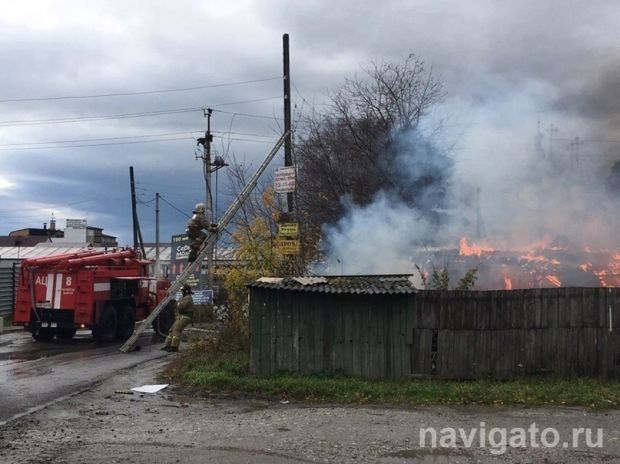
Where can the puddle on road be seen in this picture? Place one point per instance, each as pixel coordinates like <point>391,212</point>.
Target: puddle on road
<point>20,347</point>
<point>19,356</point>
<point>24,348</point>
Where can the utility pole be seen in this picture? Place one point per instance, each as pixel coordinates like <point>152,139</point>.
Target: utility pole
<point>134,213</point>
<point>288,142</point>
<point>288,217</point>
<point>157,265</point>
<point>551,130</point>
<point>576,145</point>
<point>209,194</point>
<point>209,168</point>
<point>137,233</point>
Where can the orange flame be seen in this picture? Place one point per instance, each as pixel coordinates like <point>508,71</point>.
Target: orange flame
<point>538,263</point>
<point>554,280</point>
<point>465,249</point>
<point>585,267</point>
<point>531,257</point>
<point>602,278</point>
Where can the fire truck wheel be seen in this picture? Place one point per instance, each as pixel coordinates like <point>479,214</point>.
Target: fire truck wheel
<point>105,331</point>
<point>126,322</point>
<point>43,334</point>
<point>66,334</point>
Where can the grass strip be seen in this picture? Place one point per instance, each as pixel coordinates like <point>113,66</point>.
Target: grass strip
<point>230,373</point>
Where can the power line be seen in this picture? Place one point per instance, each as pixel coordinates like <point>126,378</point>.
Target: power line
<point>94,144</point>
<point>34,122</point>
<point>238,139</point>
<point>301,96</point>
<point>146,92</point>
<point>248,115</point>
<point>171,205</point>
<point>244,133</point>
<point>134,142</point>
<point>165,187</point>
<point>101,139</point>
<point>104,139</point>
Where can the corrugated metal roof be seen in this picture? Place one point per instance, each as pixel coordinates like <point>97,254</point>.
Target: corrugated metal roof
<point>49,249</point>
<point>363,285</point>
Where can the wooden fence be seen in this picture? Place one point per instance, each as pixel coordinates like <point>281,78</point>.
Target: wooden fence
<point>564,332</point>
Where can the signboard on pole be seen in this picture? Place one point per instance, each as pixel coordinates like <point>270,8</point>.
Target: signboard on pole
<point>287,247</point>
<point>288,229</point>
<point>199,296</point>
<point>178,260</point>
<point>284,179</point>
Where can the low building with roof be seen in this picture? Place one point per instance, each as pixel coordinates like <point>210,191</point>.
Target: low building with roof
<point>78,231</point>
<point>383,327</point>
<point>353,324</point>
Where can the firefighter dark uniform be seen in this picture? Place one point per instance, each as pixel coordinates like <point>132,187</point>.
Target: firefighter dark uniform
<point>185,308</point>
<point>194,231</point>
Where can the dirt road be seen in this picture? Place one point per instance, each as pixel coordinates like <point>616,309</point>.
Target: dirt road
<point>107,425</point>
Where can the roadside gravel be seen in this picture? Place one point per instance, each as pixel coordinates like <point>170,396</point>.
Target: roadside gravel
<point>106,424</point>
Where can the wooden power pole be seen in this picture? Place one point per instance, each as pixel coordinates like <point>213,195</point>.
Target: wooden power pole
<point>288,142</point>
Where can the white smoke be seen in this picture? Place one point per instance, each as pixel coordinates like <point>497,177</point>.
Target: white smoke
<point>375,239</point>
<point>505,190</point>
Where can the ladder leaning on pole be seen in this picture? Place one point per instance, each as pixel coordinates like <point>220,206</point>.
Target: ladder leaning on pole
<point>209,240</point>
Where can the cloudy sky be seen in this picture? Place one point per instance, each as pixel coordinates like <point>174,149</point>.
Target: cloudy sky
<point>89,89</point>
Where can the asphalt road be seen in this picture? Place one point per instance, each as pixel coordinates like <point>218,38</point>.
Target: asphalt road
<point>106,423</point>
<point>32,374</point>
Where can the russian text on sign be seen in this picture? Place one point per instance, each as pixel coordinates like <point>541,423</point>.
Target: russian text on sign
<point>284,180</point>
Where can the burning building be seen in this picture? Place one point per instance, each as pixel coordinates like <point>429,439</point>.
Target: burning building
<point>527,219</point>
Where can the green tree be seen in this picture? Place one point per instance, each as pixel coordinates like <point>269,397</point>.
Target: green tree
<point>439,279</point>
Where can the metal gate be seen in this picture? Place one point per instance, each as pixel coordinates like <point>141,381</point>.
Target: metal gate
<point>8,283</point>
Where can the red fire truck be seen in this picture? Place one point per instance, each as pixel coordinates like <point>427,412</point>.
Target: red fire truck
<point>103,291</point>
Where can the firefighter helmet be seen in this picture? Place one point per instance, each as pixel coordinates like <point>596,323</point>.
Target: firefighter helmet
<point>200,208</point>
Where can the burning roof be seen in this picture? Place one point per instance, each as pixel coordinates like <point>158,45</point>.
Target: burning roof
<point>544,264</point>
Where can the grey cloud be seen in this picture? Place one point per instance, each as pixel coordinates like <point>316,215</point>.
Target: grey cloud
<point>559,57</point>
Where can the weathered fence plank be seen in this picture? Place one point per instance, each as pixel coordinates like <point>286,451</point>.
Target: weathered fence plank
<point>450,334</point>
<point>256,335</point>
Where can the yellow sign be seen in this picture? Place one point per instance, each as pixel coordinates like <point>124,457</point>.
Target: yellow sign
<point>288,229</point>
<point>287,247</point>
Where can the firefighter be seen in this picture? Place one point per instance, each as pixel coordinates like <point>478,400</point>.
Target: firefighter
<point>194,230</point>
<point>185,309</point>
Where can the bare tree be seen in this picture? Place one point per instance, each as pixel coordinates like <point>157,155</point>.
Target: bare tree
<point>349,150</point>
